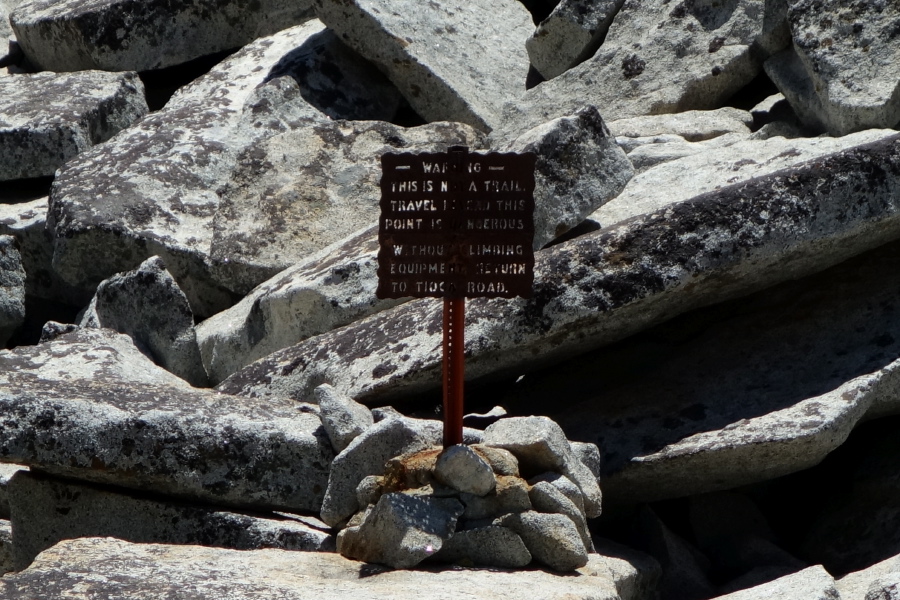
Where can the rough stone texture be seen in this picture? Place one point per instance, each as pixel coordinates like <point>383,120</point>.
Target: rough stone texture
<point>503,462</point>
<point>855,586</point>
<point>589,455</point>
<point>123,35</point>
<point>12,288</point>
<point>636,574</point>
<point>886,588</point>
<point>688,177</point>
<point>546,498</point>
<point>661,57</point>
<point>646,156</point>
<point>48,118</point>
<point>342,417</point>
<point>6,473</point>
<point>540,445</point>
<point>571,33</point>
<point>509,496</point>
<point>153,190</point>
<point>367,455</point>
<point>842,72</point>
<point>691,125</point>
<point>148,305</point>
<point>490,546</point>
<point>336,285</point>
<point>401,530</point>
<point>564,485</point>
<point>6,547</point>
<point>604,286</point>
<point>6,32</point>
<point>453,61</point>
<point>552,539</point>
<point>100,567</point>
<point>813,583</point>
<point>463,469</point>
<point>46,510</point>
<point>819,355</point>
<point>89,405</point>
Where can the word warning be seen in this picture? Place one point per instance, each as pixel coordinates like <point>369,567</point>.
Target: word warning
<point>456,225</point>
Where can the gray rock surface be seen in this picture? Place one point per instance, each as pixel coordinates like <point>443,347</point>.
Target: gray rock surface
<point>552,539</point>
<point>463,469</point>
<point>540,445</point>
<point>453,61</point>
<point>647,156</point>
<point>6,547</point>
<point>90,406</point>
<point>148,305</point>
<point>569,34</point>
<point>152,571</point>
<point>12,288</point>
<point>6,32</point>
<point>855,586</point>
<point>589,455</point>
<point>46,510</point>
<point>546,498</point>
<point>153,188</point>
<point>48,118</point>
<point>367,455</point>
<point>342,417</point>
<point>691,125</point>
<point>336,285</point>
<point>813,583</point>
<point>6,473</point>
<point>503,462</point>
<point>603,286</point>
<point>117,35</point>
<point>688,177</point>
<point>400,531</point>
<point>509,496</point>
<point>661,58</point>
<point>490,546</point>
<point>885,588</point>
<point>564,485</point>
<point>838,77</point>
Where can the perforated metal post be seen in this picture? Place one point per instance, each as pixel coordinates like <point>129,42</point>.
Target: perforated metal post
<point>454,369</point>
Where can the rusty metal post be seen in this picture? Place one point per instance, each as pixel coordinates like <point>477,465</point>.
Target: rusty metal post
<point>454,369</point>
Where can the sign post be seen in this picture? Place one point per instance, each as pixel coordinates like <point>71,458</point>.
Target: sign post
<point>456,225</point>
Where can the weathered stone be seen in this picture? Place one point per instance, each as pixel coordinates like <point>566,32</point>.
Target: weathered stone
<point>564,485</point>
<point>546,498</point>
<point>6,32</point>
<point>411,470</point>
<point>152,190</point>
<point>453,61</point>
<point>90,406</point>
<point>540,445</point>
<point>823,350</point>
<point>109,568</point>
<point>689,177</point>
<point>570,34</point>
<point>773,109</point>
<point>6,473</point>
<point>46,510</point>
<point>552,539</point>
<point>342,418</point>
<point>401,530</point>
<point>367,455</point>
<point>647,156</point>
<point>855,586</point>
<point>336,285</point>
<point>115,35</point>
<point>12,288</point>
<point>503,462</point>
<point>509,496</point>
<point>369,491</point>
<point>148,305</point>
<point>885,588</point>
<point>48,118</point>
<point>813,583</point>
<point>604,286</point>
<point>381,413</point>
<point>6,547</point>
<point>589,455</point>
<point>636,574</point>
<point>661,58</point>
<point>842,78</point>
<point>463,469</point>
<point>486,546</point>
<point>691,125</point>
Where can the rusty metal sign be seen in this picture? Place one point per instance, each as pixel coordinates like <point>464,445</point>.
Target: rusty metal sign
<point>456,225</point>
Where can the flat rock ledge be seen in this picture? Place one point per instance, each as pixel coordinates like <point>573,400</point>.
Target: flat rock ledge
<point>48,118</point>
<point>108,568</point>
<point>88,405</point>
<point>601,287</point>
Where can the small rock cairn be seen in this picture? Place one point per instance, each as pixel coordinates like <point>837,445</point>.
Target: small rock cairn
<point>521,492</point>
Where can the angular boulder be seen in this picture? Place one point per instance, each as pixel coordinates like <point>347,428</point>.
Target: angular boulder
<point>463,469</point>
<point>118,35</point>
<point>552,539</point>
<point>813,583</point>
<point>660,57</point>
<point>690,125</point>
<point>842,73</point>
<point>152,190</point>
<point>46,510</point>
<point>453,61</point>
<point>47,119</point>
<point>490,546</point>
<point>12,288</point>
<point>343,418</point>
<point>148,305</point>
<point>88,405</point>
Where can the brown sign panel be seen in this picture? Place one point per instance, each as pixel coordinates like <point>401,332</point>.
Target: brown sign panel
<point>456,225</point>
